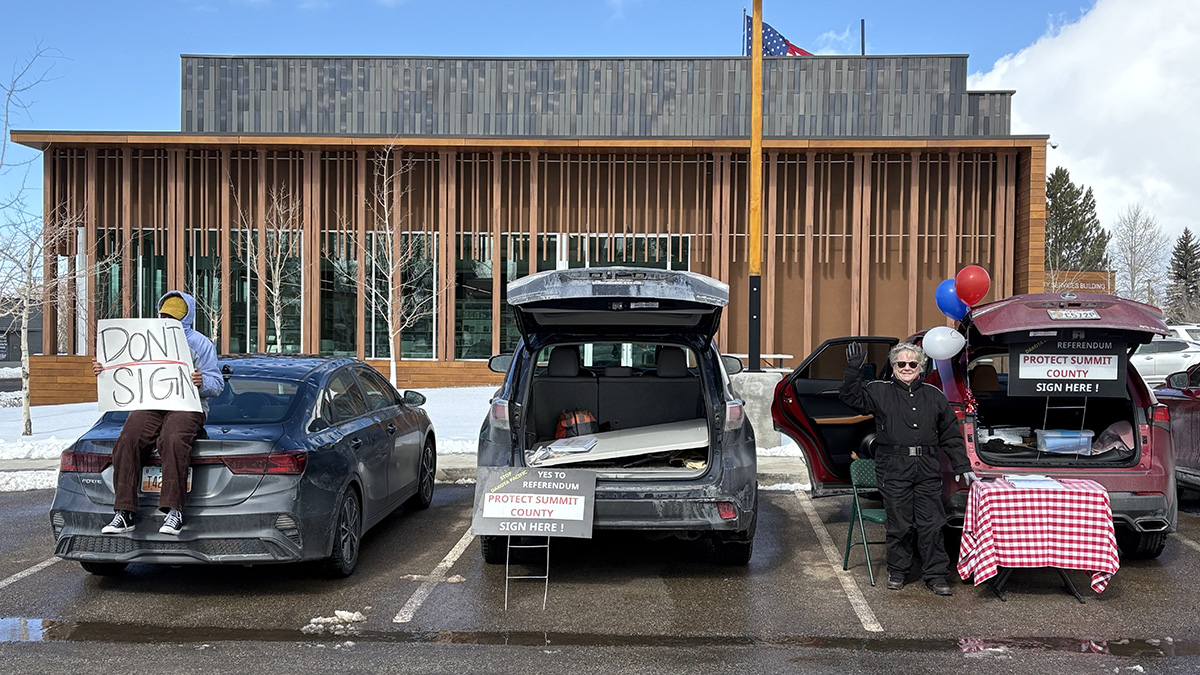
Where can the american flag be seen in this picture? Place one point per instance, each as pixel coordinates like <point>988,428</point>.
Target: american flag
<point>774,44</point>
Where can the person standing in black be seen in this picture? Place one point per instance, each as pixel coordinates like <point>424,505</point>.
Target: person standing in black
<point>913,421</point>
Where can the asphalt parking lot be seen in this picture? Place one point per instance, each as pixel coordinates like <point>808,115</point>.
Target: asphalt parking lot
<point>421,584</point>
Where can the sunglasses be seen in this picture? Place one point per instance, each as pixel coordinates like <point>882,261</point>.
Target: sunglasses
<point>908,364</point>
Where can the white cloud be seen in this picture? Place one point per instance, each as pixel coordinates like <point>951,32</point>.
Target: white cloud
<point>830,42</point>
<point>1118,92</point>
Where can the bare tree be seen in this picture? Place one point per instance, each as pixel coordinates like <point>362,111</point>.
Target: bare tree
<point>205,289</point>
<point>398,265</point>
<point>279,251</point>
<point>25,243</point>
<point>1138,252</point>
<point>26,75</point>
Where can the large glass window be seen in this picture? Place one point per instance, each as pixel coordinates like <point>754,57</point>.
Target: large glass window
<point>243,301</point>
<point>473,298</point>
<point>514,261</point>
<point>149,274</point>
<point>202,273</point>
<point>339,297</point>
<point>414,258</point>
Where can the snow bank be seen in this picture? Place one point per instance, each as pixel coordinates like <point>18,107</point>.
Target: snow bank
<point>18,481</point>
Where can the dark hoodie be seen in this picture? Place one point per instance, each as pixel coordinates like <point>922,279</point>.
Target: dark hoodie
<point>204,354</point>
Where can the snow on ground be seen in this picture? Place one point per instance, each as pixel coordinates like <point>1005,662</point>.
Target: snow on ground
<point>457,414</point>
<point>18,481</point>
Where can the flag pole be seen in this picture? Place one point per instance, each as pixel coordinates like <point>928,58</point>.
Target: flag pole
<point>744,31</point>
<point>756,115</point>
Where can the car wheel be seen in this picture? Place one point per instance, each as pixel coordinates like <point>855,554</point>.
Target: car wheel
<point>103,569</point>
<point>493,549</point>
<point>347,532</point>
<point>426,473</point>
<point>1142,545</point>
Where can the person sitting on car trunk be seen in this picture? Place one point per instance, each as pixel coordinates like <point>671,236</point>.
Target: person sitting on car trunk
<point>913,421</point>
<point>172,431</point>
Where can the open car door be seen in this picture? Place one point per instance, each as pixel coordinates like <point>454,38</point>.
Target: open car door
<point>829,432</point>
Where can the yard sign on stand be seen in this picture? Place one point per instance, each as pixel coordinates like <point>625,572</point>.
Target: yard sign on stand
<point>533,502</point>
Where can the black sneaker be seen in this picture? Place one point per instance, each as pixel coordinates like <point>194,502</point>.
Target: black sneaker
<point>939,587</point>
<point>122,522</point>
<point>895,582</point>
<point>173,522</point>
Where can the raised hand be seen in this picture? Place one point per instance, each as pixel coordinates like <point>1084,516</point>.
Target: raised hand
<point>854,355</point>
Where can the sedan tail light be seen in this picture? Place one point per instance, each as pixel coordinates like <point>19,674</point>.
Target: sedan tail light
<point>283,462</point>
<point>1160,413</point>
<point>83,462</point>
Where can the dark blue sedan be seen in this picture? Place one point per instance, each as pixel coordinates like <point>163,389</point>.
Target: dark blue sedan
<point>299,457</point>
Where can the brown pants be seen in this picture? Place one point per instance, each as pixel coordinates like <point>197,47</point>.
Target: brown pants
<point>173,432</point>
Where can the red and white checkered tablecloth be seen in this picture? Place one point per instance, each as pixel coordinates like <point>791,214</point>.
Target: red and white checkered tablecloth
<point>1070,528</point>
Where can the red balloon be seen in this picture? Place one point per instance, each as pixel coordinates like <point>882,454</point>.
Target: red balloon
<point>971,284</point>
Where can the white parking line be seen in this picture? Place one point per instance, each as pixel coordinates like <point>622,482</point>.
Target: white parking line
<point>1187,542</point>
<point>32,570</point>
<point>437,576</point>
<point>857,601</point>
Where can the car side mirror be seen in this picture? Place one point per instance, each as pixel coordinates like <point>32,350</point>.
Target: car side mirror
<point>414,399</point>
<point>1177,380</point>
<point>318,424</point>
<point>733,365</point>
<point>500,363</point>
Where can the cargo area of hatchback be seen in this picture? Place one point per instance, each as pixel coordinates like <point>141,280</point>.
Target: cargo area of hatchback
<point>626,410</point>
<point>1056,429</point>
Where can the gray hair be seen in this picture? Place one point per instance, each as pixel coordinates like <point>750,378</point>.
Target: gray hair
<point>894,354</point>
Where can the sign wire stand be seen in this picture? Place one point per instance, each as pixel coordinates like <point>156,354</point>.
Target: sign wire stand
<point>509,576</point>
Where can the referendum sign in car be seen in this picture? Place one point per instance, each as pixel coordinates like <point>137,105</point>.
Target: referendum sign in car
<point>526,501</point>
<point>1068,367</point>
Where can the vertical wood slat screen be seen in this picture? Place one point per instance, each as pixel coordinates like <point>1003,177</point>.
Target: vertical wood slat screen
<point>597,195</point>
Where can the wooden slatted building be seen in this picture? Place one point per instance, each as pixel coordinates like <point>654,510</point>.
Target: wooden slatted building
<point>883,175</point>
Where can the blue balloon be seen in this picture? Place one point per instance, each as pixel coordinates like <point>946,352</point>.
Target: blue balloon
<point>949,302</point>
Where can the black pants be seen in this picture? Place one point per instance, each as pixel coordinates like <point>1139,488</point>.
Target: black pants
<point>912,496</point>
<point>173,434</point>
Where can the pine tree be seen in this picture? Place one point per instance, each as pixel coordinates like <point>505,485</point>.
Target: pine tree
<point>1183,277</point>
<point>1074,239</point>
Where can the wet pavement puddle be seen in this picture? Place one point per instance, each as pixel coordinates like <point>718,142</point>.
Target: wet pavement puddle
<point>15,629</point>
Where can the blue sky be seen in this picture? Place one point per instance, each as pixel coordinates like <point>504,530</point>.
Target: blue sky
<point>120,67</point>
<point>1112,81</point>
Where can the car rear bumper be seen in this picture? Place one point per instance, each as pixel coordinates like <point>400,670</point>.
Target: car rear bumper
<point>662,507</point>
<point>255,532</point>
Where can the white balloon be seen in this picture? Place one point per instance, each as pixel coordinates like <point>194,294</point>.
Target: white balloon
<point>942,342</point>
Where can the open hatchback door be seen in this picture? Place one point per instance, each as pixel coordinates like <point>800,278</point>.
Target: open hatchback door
<point>610,301</point>
<point>807,408</point>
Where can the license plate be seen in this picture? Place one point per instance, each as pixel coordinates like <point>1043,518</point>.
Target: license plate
<point>152,479</point>
<point>1073,314</point>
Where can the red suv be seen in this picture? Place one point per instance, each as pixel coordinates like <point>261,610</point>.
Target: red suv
<point>1044,386</point>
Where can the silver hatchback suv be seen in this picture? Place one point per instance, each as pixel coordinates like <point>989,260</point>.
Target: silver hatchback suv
<point>630,352</point>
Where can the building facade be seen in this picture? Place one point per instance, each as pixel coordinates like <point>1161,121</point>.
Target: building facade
<point>325,204</point>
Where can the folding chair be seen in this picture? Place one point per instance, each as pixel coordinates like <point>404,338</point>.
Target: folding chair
<point>862,475</point>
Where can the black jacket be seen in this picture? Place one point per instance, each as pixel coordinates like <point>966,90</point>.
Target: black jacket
<point>916,414</point>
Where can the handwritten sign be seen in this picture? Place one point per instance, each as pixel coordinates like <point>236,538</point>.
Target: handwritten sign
<point>534,502</point>
<point>147,366</point>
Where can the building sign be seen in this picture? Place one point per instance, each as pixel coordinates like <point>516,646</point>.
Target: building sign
<point>1061,281</point>
<point>1062,367</point>
<point>526,501</point>
<point>147,366</point>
